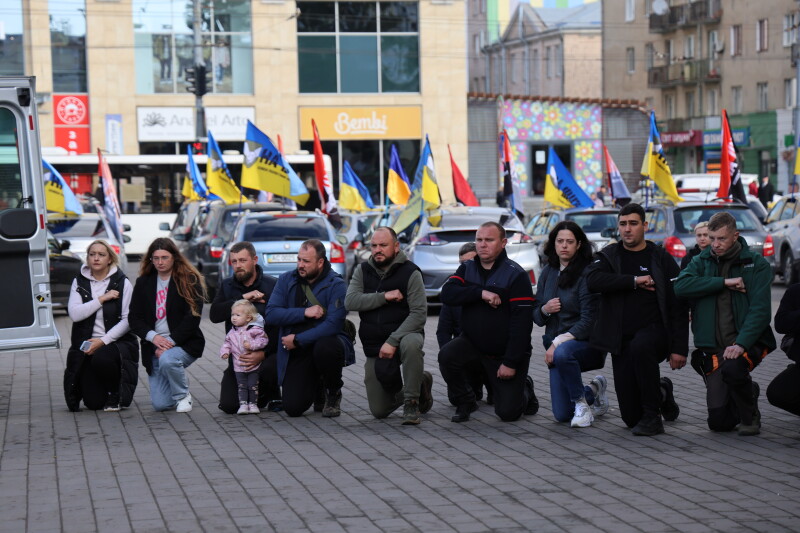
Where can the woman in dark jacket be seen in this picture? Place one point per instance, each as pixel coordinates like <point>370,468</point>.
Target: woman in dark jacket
<point>567,309</point>
<point>165,315</point>
<point>784,391</point>
<point>103,358</point>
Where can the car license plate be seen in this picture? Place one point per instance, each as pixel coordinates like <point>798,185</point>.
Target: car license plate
<point>281,258</point>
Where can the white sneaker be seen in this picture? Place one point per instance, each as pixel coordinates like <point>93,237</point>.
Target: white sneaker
<point>244,409</point>
<point>185,404</point>
<point>600,405</point>
<point>253,408</point>
<point>583,415</point>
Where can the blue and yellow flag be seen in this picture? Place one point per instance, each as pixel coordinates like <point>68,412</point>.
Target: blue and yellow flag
<point>198,184</point>
<point>218,177</point>
<point>59,198</point>
<point>188,190</point>
<point>567,192</point>
<point>353,194</point>
<point>654,165</point>
<point>425,179</point>
<point>266,169</point>
<point>397,186</point>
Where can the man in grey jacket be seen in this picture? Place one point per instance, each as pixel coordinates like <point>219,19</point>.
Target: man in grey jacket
<point>388,293</point>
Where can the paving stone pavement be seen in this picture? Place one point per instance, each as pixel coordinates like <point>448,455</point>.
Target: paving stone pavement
<point>138,470</point>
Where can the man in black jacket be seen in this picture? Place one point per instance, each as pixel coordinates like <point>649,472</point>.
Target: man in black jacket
<point>641,322</point>
<point>249,283</point>
<point>495,296</point>
<point>784,391</point>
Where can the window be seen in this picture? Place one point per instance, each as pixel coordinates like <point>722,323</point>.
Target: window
<point>649,56</point>
<point>10,172</point>
<point>630,10</point>
<point>736,98</point>
<point>736,40</point>
<point>477,41</point>
<point>358,47</point>
<point>548,60</point>
<point>669,106</point>
<point>11,50</point>
<point>713,106</point>
<point>668,51</point>
<point>164,45</point>
<point>790,28</point>
<point>630,59</point>
<point>762,94</point>
<point>536,65</point>
<point>68,45</point>
<point>789,92</point>
<point>559,60</point>
<point>713,43</point>
<point>690,104</point>
<point>688,47</point>
<point>762,35</point>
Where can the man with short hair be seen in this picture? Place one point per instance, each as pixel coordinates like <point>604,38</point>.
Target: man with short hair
<point>496,302</point>
<point>249,283</point>
<point>388,293</point>
<point>731,288</point>
<point>308,306</point>
<point>640,323</point>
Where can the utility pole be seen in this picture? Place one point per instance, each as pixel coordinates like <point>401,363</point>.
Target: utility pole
<point>200,68</point>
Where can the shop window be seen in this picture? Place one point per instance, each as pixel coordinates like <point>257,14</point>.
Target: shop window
<point>358,47</point>
<point>164,45</point>
<point>68,45</point>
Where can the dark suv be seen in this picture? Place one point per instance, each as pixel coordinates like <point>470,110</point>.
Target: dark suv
<point>672,226</point>
<point>206,242</point>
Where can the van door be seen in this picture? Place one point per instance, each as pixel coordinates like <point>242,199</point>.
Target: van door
<point>26,315</point>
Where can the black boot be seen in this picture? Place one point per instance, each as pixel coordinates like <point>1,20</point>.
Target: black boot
<point>463,411</point>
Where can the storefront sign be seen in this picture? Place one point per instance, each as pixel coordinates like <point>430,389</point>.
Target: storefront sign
<point>344,123</point>
<point>229,123</point>
<point>165,124</point>
<point>682,138</point>
<point>71,121</point>
<point>741,137</point>
<point>114,134</point>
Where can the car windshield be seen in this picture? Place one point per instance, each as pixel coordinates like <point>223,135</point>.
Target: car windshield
<point>285,229</point>
<point>593,222</point>
<point>687,218</point>
<point>78,227</point>
<point>229,220</point>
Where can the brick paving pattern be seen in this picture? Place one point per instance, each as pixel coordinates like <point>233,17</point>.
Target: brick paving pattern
<point>138,470</point>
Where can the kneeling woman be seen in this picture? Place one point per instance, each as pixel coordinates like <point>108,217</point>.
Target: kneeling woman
<point>165,315</point>
<point>567,310</point>
<point>102,373</point>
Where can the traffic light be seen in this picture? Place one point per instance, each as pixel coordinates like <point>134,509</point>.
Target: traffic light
<point>197,80</point>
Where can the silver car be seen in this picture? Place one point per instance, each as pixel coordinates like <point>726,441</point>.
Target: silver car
<point>594,221</point>
<point>82,230</point>
<point>277,236</point>
<point>783,224</point>
<point>434,249</point>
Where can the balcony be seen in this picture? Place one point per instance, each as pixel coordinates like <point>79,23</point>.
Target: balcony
<point>684,73</point>
<point>686,15</point>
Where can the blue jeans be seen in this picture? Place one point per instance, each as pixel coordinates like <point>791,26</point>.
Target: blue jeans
<point>168,382</point>
<point>566,386</point>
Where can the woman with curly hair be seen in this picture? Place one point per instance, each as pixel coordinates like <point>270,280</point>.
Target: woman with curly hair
<point>567,310</point>
<point>165,315</point>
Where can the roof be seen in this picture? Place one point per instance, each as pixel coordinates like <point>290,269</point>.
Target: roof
<point>585,16</point>
<point>605,102</point>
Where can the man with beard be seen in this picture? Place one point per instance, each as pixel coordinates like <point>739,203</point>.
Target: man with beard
<point>249,283</point>
<point>388,293</point>
<point>496,302</point>
<point>308,306</point>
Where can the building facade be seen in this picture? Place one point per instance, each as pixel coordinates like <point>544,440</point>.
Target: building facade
<point>112,75</point>
<point>689,60</point>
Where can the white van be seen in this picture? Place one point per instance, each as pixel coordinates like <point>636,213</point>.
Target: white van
<point>26,317</point>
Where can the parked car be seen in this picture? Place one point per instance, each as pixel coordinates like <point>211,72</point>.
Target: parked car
<point>434,249</point>
<point>215,223</point>
<point>783,225</point>
<point>187,222</point>
<point>144,228</point>
<point>277,237</point>
<point>594,221</point>
<point>80,231</point>
<point>672,226</point>
<point>64,267</point>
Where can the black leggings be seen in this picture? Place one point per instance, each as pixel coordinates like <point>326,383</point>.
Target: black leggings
<point>324,360</point>
<point>637,376</point>
<point>101,376</point>
<point>784,391</point>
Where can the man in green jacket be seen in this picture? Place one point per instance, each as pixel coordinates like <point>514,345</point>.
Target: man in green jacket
<point>389,295</point>
<point>731,288</point>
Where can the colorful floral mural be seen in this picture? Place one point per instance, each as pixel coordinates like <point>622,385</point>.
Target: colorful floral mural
<point>530,122</point>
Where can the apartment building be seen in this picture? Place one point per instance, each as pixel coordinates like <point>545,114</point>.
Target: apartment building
<point>689,60</point>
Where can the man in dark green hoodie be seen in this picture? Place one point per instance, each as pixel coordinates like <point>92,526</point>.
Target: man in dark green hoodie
<point>731,324</point>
